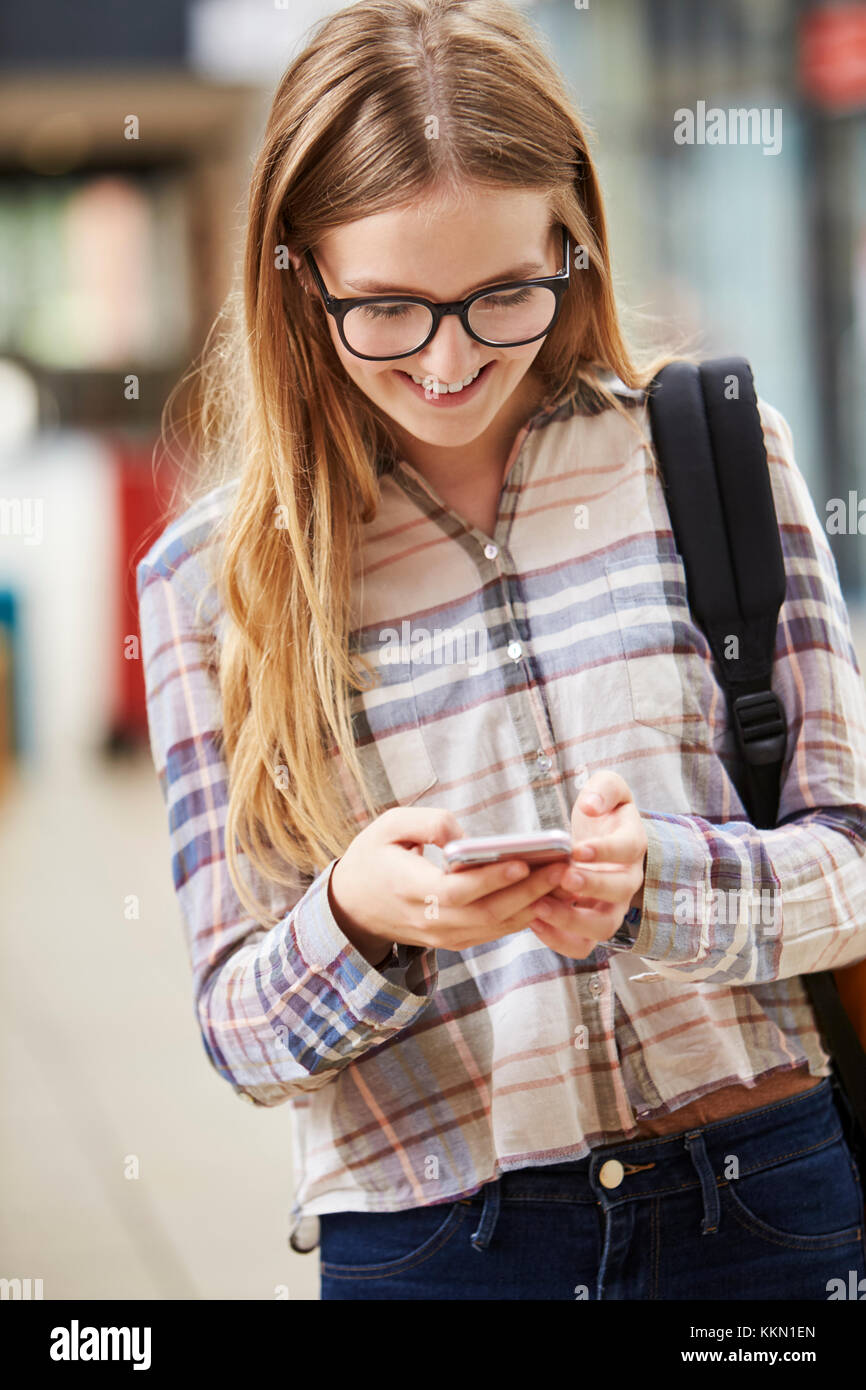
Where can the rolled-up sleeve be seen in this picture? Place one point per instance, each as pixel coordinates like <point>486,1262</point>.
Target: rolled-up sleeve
<point>282,1010</point>
<point>733,904</point>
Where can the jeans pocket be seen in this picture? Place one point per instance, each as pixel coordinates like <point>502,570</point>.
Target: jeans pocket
<point>373,1245</point>
<point>812,1201</point>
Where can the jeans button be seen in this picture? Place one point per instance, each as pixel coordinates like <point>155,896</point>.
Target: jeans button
<point>595,986</point>
<point>611,1173</point>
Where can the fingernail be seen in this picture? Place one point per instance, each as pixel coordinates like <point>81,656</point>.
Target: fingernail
<point>584,851</point>
<point>591,799</point>
<point>515,871</point>
<point>573,880</point>
<point>554,874</point>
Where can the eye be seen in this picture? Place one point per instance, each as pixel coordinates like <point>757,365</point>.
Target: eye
<point>507,300</point>
<point>385,311</point>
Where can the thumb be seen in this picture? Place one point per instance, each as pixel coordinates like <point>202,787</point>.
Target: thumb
<point>604,791</point>
<point>412,825</point>
<point>591,800</point>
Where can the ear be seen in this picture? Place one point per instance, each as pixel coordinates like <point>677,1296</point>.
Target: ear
<point>302,271</point>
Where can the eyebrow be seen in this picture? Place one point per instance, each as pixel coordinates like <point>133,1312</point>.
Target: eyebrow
<point>524,271</point>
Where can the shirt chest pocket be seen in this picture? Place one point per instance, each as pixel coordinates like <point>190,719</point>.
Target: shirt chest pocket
<point>667,660</point>
<point>391,748</point>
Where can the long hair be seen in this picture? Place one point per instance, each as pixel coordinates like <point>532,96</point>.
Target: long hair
<point>347,137</point>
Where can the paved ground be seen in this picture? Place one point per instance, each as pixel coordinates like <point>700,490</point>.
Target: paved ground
<point>103,1065</point>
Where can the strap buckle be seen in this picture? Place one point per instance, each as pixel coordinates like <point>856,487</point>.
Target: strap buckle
<point>762,729</point>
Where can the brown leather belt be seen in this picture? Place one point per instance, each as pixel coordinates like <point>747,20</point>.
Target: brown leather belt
<point>727,1101</point>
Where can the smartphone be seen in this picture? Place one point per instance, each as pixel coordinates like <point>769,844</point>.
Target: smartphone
<point>534,847</point>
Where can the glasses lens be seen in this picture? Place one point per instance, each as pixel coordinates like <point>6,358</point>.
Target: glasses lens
<point>388,329</point>
<point>511,316</point>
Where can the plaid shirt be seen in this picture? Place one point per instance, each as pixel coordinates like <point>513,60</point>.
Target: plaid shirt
<point>512,667</point>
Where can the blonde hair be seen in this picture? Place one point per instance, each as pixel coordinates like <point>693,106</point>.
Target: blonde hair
<point>346,137</point>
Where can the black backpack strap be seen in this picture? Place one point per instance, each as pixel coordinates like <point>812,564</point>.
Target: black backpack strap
<point>710,446</point>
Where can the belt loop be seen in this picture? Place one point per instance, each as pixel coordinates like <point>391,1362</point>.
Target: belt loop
<point>694,1142</point>
<point>481,1238</point>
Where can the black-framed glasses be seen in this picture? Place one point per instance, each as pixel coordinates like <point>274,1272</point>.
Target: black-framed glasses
<point>380,327</point>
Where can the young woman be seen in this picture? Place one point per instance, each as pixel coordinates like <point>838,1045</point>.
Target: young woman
<point>436,594</point>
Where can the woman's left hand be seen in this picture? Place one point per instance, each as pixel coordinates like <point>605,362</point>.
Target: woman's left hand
<point>607,875</point>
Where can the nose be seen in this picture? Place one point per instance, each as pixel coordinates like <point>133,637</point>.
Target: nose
<point>451,353</point>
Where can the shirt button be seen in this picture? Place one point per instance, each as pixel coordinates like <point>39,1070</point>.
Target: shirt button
<point>491,551</point>
<point>542,759</point>
<point>515,651</point>
<point>595,986</point>
<point>611,1173</point>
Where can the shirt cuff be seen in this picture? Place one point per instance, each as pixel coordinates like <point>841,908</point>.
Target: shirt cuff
<point>677,855</point>
<point>626,934</point>
<point>386,997</point>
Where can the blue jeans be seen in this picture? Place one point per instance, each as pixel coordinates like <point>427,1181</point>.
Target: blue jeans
<point>764,1205</point>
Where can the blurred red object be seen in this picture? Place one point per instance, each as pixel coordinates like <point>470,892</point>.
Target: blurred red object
<point>832,43</point>
<point>141,512</point>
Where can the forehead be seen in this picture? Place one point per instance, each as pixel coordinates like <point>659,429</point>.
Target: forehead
<point>443,247</point>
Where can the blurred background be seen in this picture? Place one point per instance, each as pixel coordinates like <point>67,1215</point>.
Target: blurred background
<point>126,139</point>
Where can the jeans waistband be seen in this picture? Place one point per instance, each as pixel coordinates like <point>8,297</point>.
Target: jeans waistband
<point>701,1157</point>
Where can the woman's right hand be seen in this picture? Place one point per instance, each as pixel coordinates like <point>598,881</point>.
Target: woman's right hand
<point>384,890</point>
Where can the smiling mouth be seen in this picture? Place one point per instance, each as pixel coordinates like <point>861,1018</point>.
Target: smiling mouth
<point>431,383</point>
<point>433,390</point>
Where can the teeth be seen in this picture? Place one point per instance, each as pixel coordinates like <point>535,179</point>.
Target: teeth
<point>441,387</point>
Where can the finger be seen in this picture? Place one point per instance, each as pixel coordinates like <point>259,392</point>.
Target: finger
<point>417,825</point>
<point>579,921</point>
<point>556,913</point>
<point>501,913</point>
<point>561,912</point>
<point>597,881</point>
<point>423,887</point>
<point>468,885</point>
<point>458,904</point>
<point>504,902</point>
<point>567,894</point>
<point>603,792</point>
<point>625,844</point>
<point>412,880</point>
<point>565,943</point>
